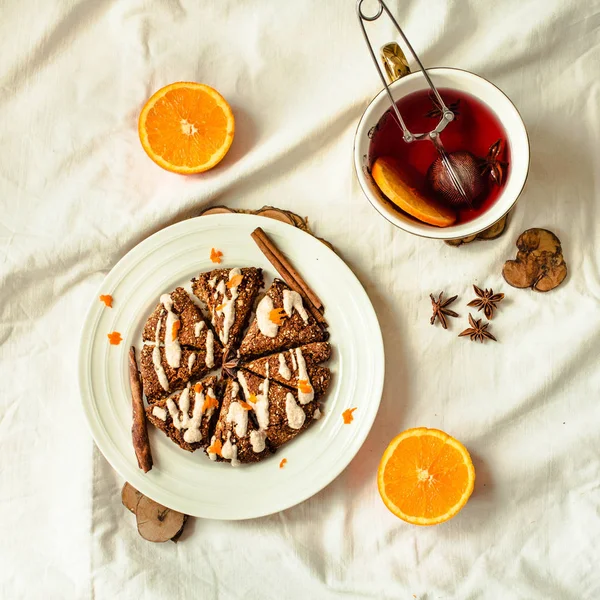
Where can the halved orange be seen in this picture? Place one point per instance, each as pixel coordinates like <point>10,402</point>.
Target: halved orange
<point>425,476</point>
<point>186,127</point>
<point>387,174</point>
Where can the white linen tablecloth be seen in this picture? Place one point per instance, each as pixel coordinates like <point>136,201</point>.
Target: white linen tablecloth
<point>77,192</point>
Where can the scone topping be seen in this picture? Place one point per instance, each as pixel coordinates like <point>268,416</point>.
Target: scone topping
<point>156,359</point>
<point>181,417</point>
<point>293,300</point>
<point>305,390</point>
<point>229,451</point>
<point>227,308</point>
<point>295,414</point>
<point>172,345</point>
<point>267,326</point>
<point>284,370</point>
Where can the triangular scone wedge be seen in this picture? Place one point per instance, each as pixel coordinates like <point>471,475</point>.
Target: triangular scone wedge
<point>290,367</point>
<point>281,322</point>
<point>229,295</point>
<point>159,379</point>
<point>186,323</point>
<point>279,412</point>
<point>188,417</point>
<point>237,437</point>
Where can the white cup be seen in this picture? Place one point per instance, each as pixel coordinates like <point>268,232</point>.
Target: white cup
<point>483,90</point>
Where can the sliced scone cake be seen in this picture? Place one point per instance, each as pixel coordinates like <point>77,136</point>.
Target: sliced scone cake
<point>281,322</point>
<point>229,295</point>
<point>178,346</point>
<point>189,416</point>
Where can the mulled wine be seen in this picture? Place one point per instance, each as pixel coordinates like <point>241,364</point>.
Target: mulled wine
<point>476,142</point>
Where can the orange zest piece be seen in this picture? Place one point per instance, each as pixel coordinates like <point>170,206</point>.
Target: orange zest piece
<point>305,387</point>
<point>176,328</point>
<point>210,402</point>
<point>388,176</point>
<point>277,315</point>
<point>107,299</point>
<point>198,388</point>
<point>425,476</point>
<point>283,463</point>
<point>348,416</point>
<point>221,306</point>
<point>215,448</point>
<point>235,281</point>
<point>215,255</point>
<point>252,398</point>
<point>186,127</point>
<point>245,405</point>
<point>115,338</point>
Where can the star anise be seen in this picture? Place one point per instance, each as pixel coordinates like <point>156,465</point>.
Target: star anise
<point>437,113</point>
<point>477,332</point>
<point>230,365</point>
<point>492,165</point>
<point>441,310</point>
<point>486,300</point>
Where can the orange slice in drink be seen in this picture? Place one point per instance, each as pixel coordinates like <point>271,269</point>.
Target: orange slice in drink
<point>388,176</point>
<point>186,127</point>
<point>425,476</point>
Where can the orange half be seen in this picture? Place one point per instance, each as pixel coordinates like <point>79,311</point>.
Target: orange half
<point>425,476</point>
<point>186,127</point>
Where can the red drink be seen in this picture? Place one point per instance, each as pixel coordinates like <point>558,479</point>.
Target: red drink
<point>474,129</point>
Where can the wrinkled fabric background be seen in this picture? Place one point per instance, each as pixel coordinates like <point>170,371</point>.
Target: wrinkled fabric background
<point>77,192</point>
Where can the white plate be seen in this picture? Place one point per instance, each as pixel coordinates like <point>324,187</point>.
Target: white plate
<point>189,482</point>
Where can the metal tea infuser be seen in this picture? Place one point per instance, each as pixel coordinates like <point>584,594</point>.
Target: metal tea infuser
<point>446,114</point>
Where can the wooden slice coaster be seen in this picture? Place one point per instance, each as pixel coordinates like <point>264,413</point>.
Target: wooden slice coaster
<point>270,212</point>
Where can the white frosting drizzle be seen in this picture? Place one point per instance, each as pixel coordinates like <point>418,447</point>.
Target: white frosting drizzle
<point>257,440</point>
<point>198,327</point>
<point>284,370</point>
<point>172,346</point>
<point>291,300</point>
<point>216,295</point>
<point>157,360</point>
<point>211,282</point>
<point>263,312</point>
<point>235,388</point>
<point>303,376</point>
<point>209,413</point>
<point>210,349</point>
<point>239,417</point>
<point>317,414</point>
<point>261,406</point>
<point>191,361</point>
<point>181,417</point>
<point>295,414</point>
<point>294,365</point>
<point>160,413</point>
<point>229,451</point>
<point>242,379</point>
<point>212,455</point>
<point>228,309</point>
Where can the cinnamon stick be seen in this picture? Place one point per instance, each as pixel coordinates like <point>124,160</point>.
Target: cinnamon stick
<point>139,432</point>
<point>289,274</point>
